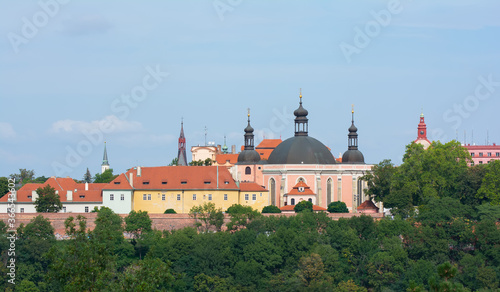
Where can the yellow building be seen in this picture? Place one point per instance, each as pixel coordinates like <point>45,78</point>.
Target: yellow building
<point>156,189</point>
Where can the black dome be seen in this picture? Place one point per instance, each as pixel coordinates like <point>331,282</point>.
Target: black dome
<point>353,157</point>
<point>301,150</point>
<point>248,157</point>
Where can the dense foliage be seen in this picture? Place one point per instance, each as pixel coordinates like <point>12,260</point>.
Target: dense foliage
<point>338,207</point>
<point>448,245</point>
<point>271,209</point>
<point>47,201</point>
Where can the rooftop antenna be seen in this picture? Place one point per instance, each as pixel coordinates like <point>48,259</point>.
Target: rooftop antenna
<point>465,138</point>
<point>205,135</point>
<point>456,133</point>
<point>472,137</point>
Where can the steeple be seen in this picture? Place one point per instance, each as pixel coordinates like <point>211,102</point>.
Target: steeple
<point>353,155</point>
<point>224,148</point>
<point>181,155</point>
<point>301,121</point>
<point>422,133</point>
<point>249,135</point>
<point>105,163</point>
<point>248,155</point>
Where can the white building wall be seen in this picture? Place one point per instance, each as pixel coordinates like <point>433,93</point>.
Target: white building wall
<point>118,205</point>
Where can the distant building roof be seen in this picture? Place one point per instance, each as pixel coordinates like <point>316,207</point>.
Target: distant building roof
<point>301,188</point>
<point>367,205</point>
<point>291,208</point>
<point>251,187</point>
<point>266,147</point>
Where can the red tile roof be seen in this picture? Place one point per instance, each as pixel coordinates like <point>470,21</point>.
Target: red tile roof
<point>62,186</point>
<point>301,184</point>
<point>367,205</point>
<point>266,147</point>
<point>119,183</point>
<point>223,158</point>
<point>182,177</point>
<point>251,187</point>
<point>291,208</point>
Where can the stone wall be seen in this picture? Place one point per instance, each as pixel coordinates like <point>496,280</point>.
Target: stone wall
<point>160,221</point>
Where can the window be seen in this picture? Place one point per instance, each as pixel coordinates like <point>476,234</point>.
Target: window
<point>122,197</point>
<point>149,197</point>
<point>117,182</point>
<point>22,210</point>
<point>310,200</point>
<point>498,154</point>
<point>145,182</point>
<point>248,170</point>
<point>210,197</point>
<point>194,197</point>
<point>178,197</point>
<point>292,202</point>
<point>82,196</point>
<point>29,197</point>
<point>481,154</point>
<point>64,209</point>
<point>480,162</point>
<point>144,197</point>
<point>183,182</point>
<point>254,197</point>
<point>227,182</point>
<point>246,197</point>
<point>86,209</point>
<point>111,197</point>
<point>163,197</point>
<point>472,154</point>
<point>207,182</point>
<point>225,197</point>
<point>164,182</point>
<point>489,154</point>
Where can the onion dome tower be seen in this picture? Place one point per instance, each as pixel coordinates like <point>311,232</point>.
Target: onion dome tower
<point>105,163</point>
<point>249,155</point>
<point>225,148</point>
<point>353,155</point>
<point>422,133</point>
<point>181,154</point>
<point>301,149</point>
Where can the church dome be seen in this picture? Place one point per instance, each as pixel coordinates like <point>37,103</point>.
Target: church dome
<point>301,150</point>
<point>353,157</point>
<point>249,157</point>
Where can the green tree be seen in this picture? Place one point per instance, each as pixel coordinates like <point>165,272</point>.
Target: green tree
<point>4,186</point>
<point>150,274</point>
<point>379,180</point>
<point>196,163</point>
<point>48,201</point>
<point>303,205</point>
<point>204,283</point>
<point>174,162</point>
<point>87,177</point>
<point>106,177</point>
<point>137,223</point>
<point>490,187</point>
<point>27,286</point>
<point>240,216</point>
<point>170,211</point>
<point>24,176</point>
<point>207,216</point>
<point>271,209</point>
<point>208,162</point>
<point>338,207</point>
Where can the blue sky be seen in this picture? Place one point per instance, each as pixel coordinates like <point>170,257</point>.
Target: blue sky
<point>67,68</point>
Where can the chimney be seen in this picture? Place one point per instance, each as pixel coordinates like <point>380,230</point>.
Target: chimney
<point>86,186</point>
<point>233,149</point>
<point>34,195</point>
<point>138,171</point>
<point>219,149</point>
<point>69,195</point>
<point>132,179</point>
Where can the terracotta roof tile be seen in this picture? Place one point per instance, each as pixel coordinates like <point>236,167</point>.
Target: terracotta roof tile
<point>291,208</point>
<point>119,183</point>
<point>367,205</point>
<point>223,158</point>
<point>251,187</point>
<point>301,184</point>
<point>269,143</point>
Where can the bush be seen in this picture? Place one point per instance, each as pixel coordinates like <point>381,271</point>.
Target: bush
<point>271,209</point>
<point>170,211</point>
<point>338,207</point>
<point>302,206</point>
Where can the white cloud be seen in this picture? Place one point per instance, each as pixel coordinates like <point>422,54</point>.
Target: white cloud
<point>111,124</point>
<point>6,131</point>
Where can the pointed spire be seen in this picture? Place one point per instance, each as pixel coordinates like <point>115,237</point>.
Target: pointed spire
<point>181,154</point>
<point>249,135</point>
<point>224,148</point>
<point>105,163</point>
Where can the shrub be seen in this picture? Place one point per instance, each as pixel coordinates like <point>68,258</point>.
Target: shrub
<point>302,206</point>
<point>271,209</point>
<point>338,207</point>
<point>170,211</point>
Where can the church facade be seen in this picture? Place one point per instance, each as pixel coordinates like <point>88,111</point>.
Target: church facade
<point>304,160</point>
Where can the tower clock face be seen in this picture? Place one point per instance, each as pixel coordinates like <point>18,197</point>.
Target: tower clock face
<point>421,132</point>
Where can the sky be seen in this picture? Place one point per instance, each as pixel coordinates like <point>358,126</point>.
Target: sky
<point>75,74</point>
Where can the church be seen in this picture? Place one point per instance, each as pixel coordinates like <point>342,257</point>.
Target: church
<point>303,168</point>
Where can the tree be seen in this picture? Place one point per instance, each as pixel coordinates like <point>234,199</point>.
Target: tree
<point>4,186</point>
<point>208,215</point>
<point>338,207</point>
<point>174,162</point>
<point>204,283</point>
<point>271,209</point>
<point>87,177</point>
<point>196,163</point>
<point>303,205</point>
<point>23,176</point>
<point>490,188</point>
<point>150,274</point>
<point>170,211</point>
<point>48,201</point>
<point>106,177</point>
<point>137,223</point>
<point>240,216</point>
<point>379,180</point>
<point>208,162</point>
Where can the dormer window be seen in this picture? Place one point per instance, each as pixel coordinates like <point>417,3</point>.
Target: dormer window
<point>183,182</point>
<point>164,182</point>
<point>146,182</point>
<point>29,197</point>
<point>207,182</point>
<point>301,189</point>
<point>226,182</point>
<point>82,196</point>
<point>117,182</point>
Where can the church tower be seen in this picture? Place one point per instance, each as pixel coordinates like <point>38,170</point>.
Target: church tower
<point>249,155</point>
<point>422,133</point>
<point>105,164</point>
<point>181,155</point>
<point>353,155</point>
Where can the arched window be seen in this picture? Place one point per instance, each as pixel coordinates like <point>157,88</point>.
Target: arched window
<point>328,191</point>
<point>301,179</point>
<point>310,200</point>
<point>292,201</point>
<point>248,170</point>
<point>272,188</point>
